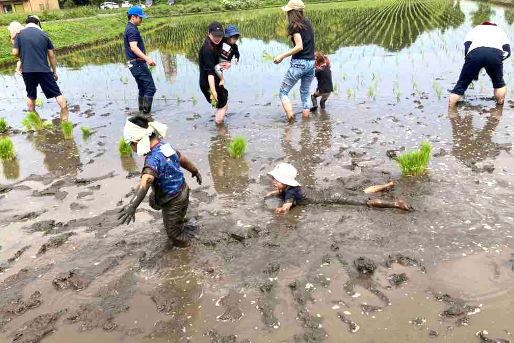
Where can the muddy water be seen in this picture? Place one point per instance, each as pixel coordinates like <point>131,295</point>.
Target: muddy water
<point>69,272</point>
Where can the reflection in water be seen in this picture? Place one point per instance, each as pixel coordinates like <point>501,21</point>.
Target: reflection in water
<point>128,163</point>
<point>475,145</point>
<point>307,158</point>
<point>11,169</point>
<point>230,175</point>
<point>391,24</point>
<point>61,156</point>
<point>169,62</point>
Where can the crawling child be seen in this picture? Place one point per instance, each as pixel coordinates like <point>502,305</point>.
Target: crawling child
<point>286,186</point>
<point>228,49</point>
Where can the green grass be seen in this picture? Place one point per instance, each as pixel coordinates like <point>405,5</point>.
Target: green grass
<point>124,148</point>
<point>32,122</point>
<point>67,129</point>
<point>7,149</point>
<point>237,147</point>
<point>3,125</point>
<point>414,163</point>
<point>85,132</point>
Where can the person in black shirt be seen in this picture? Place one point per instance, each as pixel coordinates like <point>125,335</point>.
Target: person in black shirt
<point>209,81</point>
<point>228,49</point>
<point>286,186</point>
<point>302,61</point>
<point>35,50</point>
<point>138,60</point>
<point>324,76</point>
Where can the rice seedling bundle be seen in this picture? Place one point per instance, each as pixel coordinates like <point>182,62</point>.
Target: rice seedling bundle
<point>124,148</point>
<point>3,125</point>
<point>85,132</point>
<point>414,163</point>
<point>237,147</point>
<point>7,149</point>
<point>67,129</point>
<point>32,121</point>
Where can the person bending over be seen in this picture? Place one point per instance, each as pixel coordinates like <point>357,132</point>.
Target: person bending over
<point>161,172</point>
<point>486,46</point>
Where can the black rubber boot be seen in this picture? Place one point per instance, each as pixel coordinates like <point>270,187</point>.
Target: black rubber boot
<point>140,102</point>
<point>147,104</point>
<point>314,103</point>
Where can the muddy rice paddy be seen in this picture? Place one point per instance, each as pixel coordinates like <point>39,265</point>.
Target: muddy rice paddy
<point>70,273</point>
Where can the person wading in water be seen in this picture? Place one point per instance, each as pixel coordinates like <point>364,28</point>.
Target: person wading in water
<point>138,61</point>
<point>161,172</point>
<point>486,46</point>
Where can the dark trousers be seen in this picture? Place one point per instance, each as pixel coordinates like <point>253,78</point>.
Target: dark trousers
<point>173,215</point>
<point>143,78</point>
<point>489,58</point>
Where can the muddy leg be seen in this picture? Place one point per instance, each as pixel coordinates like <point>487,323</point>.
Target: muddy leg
<point>173,215</point>
<point>499,93</point>
<point>400,204</point>
<point>31,104</point>
<point>61,100</point>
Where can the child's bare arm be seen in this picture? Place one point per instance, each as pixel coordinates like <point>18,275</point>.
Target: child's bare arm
<point>271,194</point>
<point>284,209</point>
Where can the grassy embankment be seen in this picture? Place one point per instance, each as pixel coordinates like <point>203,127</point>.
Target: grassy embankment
<point>85,25</point>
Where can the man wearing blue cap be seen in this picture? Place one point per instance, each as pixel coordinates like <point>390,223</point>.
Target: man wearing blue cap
<point>137,60</point>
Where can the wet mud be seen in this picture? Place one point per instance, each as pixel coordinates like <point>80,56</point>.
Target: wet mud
<point>322,273</point>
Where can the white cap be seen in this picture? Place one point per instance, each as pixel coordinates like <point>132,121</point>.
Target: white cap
<point>285,173</point>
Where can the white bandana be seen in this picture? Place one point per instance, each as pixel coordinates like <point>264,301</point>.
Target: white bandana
<point>133,132</point>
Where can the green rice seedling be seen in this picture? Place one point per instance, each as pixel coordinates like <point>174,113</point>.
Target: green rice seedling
<point>124,148</point>
<point>193,100</point>
<point>275,95</point>
<point>85,132</point>
<point>25,122</point>
<point>371,92</point>
<point>350,93</point>
<point>237,147</point>
<point>7,149</point>
<point>67,129</point>
<point>294,94</point>
<point>214,102</point>
<point>414,163</point>
<point>47,125</point>
<point>267,56</point>
<point>438,90</point>
<point>3,125</point>
<point>396,91</point>
<point>32,121</point>
<point>39,103</point>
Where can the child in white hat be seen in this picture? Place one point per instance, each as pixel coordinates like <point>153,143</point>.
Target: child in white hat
<point>286,186</point>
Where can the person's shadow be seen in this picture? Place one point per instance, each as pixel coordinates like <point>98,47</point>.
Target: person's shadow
<point>229,174</point>
<point>472,145</point>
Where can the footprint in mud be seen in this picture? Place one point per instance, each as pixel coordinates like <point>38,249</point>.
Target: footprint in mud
<point>37,328</point>
<point>231,303</point>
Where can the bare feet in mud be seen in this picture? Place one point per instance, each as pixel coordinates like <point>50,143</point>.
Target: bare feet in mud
<point>379,188</point>
<point>402,205</point>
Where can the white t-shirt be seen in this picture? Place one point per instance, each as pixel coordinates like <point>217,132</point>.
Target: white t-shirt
<point>488,36</point>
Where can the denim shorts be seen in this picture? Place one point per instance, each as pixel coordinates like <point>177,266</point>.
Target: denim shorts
<point>300,70</point>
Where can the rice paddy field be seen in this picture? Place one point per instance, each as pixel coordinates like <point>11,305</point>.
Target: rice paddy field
<point>442,273</point>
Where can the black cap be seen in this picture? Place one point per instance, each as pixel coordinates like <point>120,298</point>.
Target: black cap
<point>33,19</point>
<point>216,28</point>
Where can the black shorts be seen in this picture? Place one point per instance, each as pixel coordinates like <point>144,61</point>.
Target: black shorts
<point>47,82</point>
<point>222,95</point>
<point>490,59</point>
